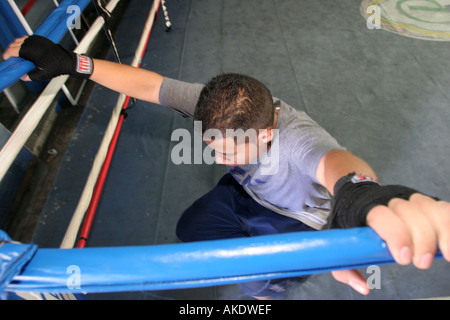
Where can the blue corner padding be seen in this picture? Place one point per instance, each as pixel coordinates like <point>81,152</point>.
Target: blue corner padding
<point>199,264</point>
<point>13,258</point>
<point>53,28</point>
<point>4,236</point>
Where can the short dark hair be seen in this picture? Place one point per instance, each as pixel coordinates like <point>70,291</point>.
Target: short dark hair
<point>234,101</point>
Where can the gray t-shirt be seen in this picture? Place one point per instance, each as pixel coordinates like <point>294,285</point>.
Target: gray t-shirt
<point>283,179</point>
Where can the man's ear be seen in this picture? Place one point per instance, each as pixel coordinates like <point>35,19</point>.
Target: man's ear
<point>265,135</point>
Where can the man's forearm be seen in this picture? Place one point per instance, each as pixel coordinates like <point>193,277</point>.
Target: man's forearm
<point>337,163</point>
<point>134,82</point>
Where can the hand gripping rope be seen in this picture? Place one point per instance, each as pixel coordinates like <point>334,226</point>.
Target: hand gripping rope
<point>53,28</point>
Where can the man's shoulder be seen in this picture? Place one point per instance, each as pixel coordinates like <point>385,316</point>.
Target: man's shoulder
<point>291,119</point>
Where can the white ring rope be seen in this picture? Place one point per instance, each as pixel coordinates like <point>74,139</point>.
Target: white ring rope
<point>83,204</point>
<point>20,16</point>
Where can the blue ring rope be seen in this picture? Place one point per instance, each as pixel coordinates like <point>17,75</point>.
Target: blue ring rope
<point>204,263</point>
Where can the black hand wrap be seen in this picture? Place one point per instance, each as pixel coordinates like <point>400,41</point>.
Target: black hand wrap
<point>355,195</point>
<point>52,60</point>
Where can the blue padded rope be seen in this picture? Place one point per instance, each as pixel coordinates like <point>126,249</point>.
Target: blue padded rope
<point>53,28</point>
<point>198,264</point>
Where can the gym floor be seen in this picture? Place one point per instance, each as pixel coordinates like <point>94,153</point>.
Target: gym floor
<point>382,94</point>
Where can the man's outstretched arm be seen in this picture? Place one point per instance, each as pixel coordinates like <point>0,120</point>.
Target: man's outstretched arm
<point>134,82</point>
<point>52,60</point>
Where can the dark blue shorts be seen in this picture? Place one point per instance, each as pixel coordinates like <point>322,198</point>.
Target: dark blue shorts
<point>227,211</point>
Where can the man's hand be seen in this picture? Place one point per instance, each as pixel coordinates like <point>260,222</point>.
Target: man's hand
<point>51,59</point>
<point>413,230</point>
<point>13,51</point>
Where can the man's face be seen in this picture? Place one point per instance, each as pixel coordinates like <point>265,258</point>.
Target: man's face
<point>234,151</point>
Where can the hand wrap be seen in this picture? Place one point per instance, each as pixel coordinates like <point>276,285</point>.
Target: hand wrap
<point>355,195</point>
<point>52,60</point>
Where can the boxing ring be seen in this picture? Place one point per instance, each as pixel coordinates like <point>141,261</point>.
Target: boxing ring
<point>29,268</point>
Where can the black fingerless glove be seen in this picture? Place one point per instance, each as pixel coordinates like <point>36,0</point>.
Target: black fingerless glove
<point>356,195</point>
<point>52,60</point>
